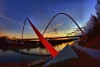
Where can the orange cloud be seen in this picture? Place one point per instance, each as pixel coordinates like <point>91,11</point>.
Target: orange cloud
<point>1,34</point>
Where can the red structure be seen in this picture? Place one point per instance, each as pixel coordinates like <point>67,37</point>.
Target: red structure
<point>48,46</point>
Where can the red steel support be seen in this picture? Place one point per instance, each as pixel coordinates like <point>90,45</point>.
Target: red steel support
<point>48,46</point>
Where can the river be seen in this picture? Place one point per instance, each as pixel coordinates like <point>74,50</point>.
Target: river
<point>11,56</point>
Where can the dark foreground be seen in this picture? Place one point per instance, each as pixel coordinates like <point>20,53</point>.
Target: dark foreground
<point>84,60</point>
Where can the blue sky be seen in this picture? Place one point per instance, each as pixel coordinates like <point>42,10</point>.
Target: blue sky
<point>41,11</point>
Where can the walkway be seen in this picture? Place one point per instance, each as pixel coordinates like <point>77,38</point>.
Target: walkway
<point>92,52</point>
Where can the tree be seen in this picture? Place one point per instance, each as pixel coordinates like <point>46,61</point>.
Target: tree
<point>92,26</point>
<point>97,25</point>
<point>97,7</point>
<point>3,39</point>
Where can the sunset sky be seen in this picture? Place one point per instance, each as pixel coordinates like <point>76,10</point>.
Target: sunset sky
<point>40,12</point>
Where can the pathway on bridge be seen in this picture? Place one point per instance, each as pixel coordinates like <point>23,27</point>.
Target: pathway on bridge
<point>92,52</point>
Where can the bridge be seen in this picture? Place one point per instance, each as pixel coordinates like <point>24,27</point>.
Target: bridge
<point>47,45</point>
<point>53,30</point>
<point>57,37</point>
<point>54,38</point>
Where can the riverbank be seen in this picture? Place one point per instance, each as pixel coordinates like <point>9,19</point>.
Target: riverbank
<point>84,60</point>
<point>14,65</point>
<point>93,43</point>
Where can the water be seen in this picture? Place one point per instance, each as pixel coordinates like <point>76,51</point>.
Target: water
<point>28,55</point>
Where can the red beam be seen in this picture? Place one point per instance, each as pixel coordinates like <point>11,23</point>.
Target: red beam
<point>48,46</point>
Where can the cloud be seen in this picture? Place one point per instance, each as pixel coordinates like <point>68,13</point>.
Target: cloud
<point>53,28</point>
<point>1,34</point>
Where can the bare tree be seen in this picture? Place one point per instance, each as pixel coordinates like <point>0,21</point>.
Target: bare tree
<point>97,7</point>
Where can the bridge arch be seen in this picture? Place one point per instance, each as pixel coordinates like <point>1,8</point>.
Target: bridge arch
<point>70,18</point>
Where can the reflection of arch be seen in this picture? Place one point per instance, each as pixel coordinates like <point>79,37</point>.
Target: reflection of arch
<point>31,54</point>
<point>70,18</point>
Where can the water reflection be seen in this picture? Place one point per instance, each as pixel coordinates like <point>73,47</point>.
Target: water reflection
<point>28,54</point>
<point>10,56</point>
<point>43,51</point>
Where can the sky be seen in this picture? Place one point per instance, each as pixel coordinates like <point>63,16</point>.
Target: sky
<point>40,12</point>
